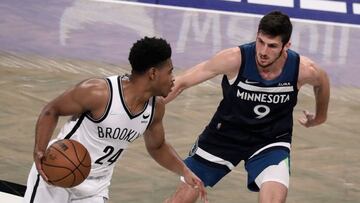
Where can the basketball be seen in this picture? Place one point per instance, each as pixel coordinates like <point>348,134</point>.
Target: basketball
<point>66,163</point>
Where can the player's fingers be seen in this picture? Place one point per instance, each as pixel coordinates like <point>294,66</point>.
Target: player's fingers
<point>305,112</point>
<point>41,172</point>
<point>302,121</point>
<point>202,191</point>
<point>203,195</point>
<point>308,115</point>
<point>193,181</point>
<point>38,159</point>
<point>38,164</point>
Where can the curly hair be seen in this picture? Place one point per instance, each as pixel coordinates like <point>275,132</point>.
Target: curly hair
<point>148,52</point>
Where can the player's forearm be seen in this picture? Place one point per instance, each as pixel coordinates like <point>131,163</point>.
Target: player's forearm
<point>45,127</point>
<point>167,157</point>
<point>322,95</point>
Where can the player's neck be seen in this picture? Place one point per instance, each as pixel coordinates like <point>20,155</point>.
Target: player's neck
<point>135,95</point>
<point>274,70</point>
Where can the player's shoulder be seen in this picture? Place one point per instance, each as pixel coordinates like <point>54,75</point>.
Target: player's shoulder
<point>230,59</point>
<point>93,85</point>
<point>306,62</point>
<point>159,102</point>
<point>94,88</point>
<point>230,53</point>
<point>159,108</point>
<point>308,71</point>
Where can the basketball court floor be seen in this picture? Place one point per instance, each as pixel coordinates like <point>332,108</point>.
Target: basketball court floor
<point>48,47</point>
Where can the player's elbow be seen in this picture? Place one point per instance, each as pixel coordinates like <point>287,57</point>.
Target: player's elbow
<point>322,119</point>
<point>50,110</point>
<point>155,151</point>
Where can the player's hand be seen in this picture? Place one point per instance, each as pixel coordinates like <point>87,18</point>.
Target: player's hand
<point>195,182</point>
<point>38,156</point>
<point>308,119</point>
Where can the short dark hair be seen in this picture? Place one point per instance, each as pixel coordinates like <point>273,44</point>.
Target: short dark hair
<point>148,52</point>
<point>276,23</point>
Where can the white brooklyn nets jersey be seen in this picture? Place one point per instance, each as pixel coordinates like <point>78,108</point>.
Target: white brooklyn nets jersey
<point>107,138</point>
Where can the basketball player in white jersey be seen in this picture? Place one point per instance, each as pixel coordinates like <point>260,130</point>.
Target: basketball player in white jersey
<point>254,121</point>
<point>107,115</point>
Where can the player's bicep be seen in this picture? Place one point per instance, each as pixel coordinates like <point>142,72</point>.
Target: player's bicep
<point>67,103</point>
<point>78,99</point>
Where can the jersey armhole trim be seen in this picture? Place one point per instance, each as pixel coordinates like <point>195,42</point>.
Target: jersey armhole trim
<point>232,81</point>
<point>152,112</point>
<point>296,75</point>
<point>108,105</point>
<point>241,68</point>
<point>77,125</point>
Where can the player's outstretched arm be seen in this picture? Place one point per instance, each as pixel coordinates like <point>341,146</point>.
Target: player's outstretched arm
<point>311,74</point>
<point>88,95</point>
<point>225,62</point>
<point>164,153</point>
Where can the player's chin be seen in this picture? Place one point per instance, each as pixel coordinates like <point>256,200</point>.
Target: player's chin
<point>166,92</point>
<point>264,64</point>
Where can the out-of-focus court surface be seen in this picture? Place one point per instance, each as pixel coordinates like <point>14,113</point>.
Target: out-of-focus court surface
<point>48,46</point>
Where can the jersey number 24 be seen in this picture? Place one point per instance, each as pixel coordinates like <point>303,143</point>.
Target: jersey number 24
<point>109,156</point>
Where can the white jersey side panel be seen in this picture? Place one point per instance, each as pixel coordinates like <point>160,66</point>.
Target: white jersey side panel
<point>107,138</point>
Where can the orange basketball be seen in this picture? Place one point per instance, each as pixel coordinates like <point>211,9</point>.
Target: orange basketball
<point>66,163</point>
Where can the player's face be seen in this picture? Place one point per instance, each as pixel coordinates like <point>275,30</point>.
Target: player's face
<point>166,78</point>
<point>268,49</point>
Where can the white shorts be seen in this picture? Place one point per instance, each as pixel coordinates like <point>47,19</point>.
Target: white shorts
<point>38,191</point>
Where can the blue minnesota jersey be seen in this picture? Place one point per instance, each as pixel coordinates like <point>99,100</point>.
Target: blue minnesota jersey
<point>254,112</point>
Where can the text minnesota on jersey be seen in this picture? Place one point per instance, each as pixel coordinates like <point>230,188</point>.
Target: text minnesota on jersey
<point>268,96</point>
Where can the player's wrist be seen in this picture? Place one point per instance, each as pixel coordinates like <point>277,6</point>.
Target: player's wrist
<point>318,120</point>
<point>185,171</point>
<point>38,153</point>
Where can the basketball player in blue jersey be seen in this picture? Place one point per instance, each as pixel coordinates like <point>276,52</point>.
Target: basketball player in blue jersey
<point>107,115</point>
<point>253,122</point>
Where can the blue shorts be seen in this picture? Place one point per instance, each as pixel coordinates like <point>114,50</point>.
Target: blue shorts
<point>210,174</point>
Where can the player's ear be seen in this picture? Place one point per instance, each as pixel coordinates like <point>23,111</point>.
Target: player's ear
<point>152,73</point>
<point>287,45</point>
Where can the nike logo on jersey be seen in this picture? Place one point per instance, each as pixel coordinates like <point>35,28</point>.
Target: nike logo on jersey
<point>250,82</point>
<point>146,116</point>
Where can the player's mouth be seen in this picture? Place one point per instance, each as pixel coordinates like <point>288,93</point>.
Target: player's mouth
<point>263,59</point>
<point>171,87</point>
